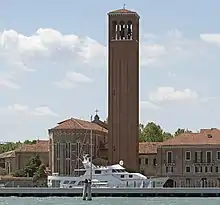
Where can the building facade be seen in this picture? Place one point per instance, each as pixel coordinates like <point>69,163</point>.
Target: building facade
<point>18,158</point>
<point>192,159</point>
<point>148,158</point>
<point>123,88</point>
<point>70,140</point>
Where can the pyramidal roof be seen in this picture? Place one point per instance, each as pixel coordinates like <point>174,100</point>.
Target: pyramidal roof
<point>123,11</point>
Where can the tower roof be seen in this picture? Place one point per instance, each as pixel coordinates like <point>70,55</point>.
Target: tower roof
<point>122,11</point>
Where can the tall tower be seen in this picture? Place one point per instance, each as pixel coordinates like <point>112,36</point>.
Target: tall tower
<point>123,88</point>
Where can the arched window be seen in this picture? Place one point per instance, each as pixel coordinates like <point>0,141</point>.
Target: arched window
<point>114,30</point>
<point>122,30</point>
<point>129,30</point>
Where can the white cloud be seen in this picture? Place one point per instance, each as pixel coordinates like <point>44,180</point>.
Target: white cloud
<point>8,81</point>
<point>163,94</point>
<point>72,79</point>
<point>24,109</point>
<point>21,53</point>
<point>174,33</point>
<point>18,107</point>
<point>44,111</point>
<point>150,53</point>
<point>210,37</point>
<point>149,105</point>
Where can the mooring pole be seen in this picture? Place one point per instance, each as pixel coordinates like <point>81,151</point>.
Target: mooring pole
<point>89,196</point>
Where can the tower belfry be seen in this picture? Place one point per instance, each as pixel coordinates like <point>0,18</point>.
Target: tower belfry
<point>123,87</point>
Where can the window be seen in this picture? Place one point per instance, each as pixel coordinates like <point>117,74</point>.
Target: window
<point>208,157</point>
<point>146,161</point>
<point>155,162</point>
<point>187,169</point>
<point>130,176</point>
<point>198,156</point>
<point>188,182</point>
<point>98,172</point>
<point>216,169</point>
<point>171,169</point>
<point>139,160</point>
<point>187,155</point>
<point>197,169</point>
<point>169,157</point>
<point>211,169</point>
<point>218,155</point>
<point>122,176</point>
<point>206,169</point>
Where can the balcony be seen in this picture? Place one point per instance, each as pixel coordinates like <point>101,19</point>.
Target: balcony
<point>203,163</point>
<point>172,163</point>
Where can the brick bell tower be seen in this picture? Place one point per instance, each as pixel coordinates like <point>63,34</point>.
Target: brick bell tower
<point>123,88</point>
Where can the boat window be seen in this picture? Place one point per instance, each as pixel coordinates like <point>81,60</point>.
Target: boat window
<point>114,170</point>
<point>122,176</point>
<point>130,176</point>
<point>81,183</point>
<point>98,172</point>
<point>66,182</point>
<point>72,182</point>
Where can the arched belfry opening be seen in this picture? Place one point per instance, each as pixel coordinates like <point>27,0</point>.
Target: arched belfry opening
<point>129,30</point>
<point>114,30</point>
<point>122,30</point>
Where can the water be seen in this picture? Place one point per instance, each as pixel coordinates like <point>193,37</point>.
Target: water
<point>109,201</point>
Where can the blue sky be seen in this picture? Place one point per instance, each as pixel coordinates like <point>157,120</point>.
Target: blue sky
<point>53,63</point>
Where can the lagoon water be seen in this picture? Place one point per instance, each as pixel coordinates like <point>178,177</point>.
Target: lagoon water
<point>108,201</point>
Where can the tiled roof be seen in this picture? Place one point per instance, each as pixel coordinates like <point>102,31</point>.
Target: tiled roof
<point>148,147</point>
<point>204,137</point>
<point>74,123</point>
<point>7,154</point>
<point>40,146</point>
<point>122,11</point>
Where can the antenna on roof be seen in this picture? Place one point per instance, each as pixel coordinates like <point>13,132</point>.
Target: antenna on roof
<point>124,6</point>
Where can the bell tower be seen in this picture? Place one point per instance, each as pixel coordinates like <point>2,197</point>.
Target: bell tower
<point>123,88</point>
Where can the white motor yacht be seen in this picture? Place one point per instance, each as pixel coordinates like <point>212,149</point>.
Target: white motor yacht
<point>105,176</point>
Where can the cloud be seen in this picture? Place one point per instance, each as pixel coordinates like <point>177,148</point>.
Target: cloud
<point>72,79</point>
<point>46,48</point>
<point>162,94</point>
<point>18,107</point>
<point>24,109</point>
<point>149,105</point>
<point>210,37</point>
<point>151,53</point>
<point>44,111</point>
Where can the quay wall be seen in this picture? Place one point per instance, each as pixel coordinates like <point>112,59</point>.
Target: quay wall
<point>111,192</point>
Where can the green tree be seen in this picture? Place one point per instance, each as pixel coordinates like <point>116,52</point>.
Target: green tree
<point>40,176</point>
<point>32,166</point>
<point>180,131</point>
<point>153,133</point>
<point>19,173</point>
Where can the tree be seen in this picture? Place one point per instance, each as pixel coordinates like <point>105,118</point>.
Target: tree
<point>153,133</point>
<point>32,166</point>
<point>3,171</point>
<point>40,176</point>
<point>19,173</point>
<point>180,131</point>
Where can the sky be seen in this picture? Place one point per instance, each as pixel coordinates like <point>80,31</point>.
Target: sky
<point>53,63</point>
